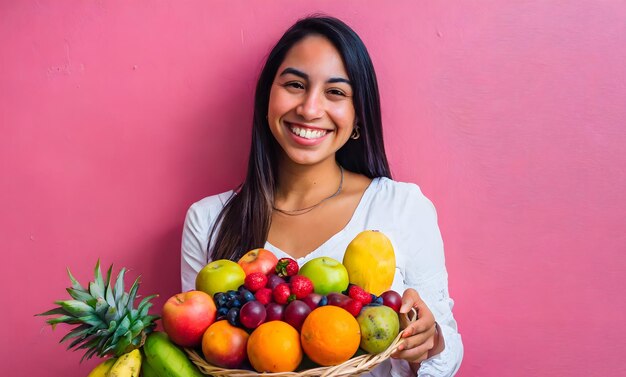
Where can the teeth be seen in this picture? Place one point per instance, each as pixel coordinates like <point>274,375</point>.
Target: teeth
<point>307,134</point>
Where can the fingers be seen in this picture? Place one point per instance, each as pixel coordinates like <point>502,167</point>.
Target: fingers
<point>410,299</point>
<point>425,321</point>
<point>414,349</point>
<point>418,336</point>
<point>421,326</point>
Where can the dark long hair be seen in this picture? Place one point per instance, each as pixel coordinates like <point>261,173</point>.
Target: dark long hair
<point>244,222</point>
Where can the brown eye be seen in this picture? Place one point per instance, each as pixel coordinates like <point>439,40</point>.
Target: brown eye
<point>294,85</point>
<point>337,92</point>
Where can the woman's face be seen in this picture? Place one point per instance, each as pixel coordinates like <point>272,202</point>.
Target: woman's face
<point>311,113</point>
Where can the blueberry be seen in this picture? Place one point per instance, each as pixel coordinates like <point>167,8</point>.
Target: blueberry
<point>222,311</point>
<point>374,297</point>
<point>323,301</point>
<point>231,294</point>
<point>248,296</point>
<point>220,299</point>
<point>233,316</point>
<point>379,300</point>
<point>237,303</point>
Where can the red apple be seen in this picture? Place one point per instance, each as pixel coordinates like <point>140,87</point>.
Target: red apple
<point>186,316</point>
<point>258,260</point>
<point>225,345</point>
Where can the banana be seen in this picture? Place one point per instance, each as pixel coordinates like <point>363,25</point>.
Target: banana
<point>371,261</point>
<point>167,359</point>
<point>102,369</point>
<point>128,365</point>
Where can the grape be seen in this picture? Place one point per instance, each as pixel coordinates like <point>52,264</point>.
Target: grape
<point>274,311</point>
<point>233,316</point>
<point>392,299</point>
<point>273,281</point>
<point>296,312</point>
<point>313,300</point>
<point>252,314</point>
<point>337,299</point>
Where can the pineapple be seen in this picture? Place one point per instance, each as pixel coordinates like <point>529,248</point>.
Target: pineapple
<point>107,322</point>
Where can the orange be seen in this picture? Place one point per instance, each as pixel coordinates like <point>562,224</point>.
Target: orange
<point>274,347</point>
<point>330,335</point>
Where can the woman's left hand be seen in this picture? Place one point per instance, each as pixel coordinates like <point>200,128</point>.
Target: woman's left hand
<point>421,338</point>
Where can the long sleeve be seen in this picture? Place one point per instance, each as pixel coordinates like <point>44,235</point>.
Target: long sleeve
<point>423,263</point>
<point>194,246</point>
<point>199,221</point>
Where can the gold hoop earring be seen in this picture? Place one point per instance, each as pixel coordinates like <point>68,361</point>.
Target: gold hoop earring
<point>355,133</point>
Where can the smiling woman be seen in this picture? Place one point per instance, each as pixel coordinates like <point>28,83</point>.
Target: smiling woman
<point>310,112</point>
<point>318,175</point>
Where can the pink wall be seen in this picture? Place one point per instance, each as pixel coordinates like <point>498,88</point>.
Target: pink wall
<point>115,116</point>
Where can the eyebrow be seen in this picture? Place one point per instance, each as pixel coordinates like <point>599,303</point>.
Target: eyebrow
<point>303,75</point>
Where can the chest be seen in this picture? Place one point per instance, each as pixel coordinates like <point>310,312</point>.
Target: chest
<point>300,235</point>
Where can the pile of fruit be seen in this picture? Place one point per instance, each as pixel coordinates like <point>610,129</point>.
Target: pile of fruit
<point>260,313</point>
<point>267,314</point>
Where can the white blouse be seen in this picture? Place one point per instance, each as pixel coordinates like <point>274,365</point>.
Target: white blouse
<point>403,214</point>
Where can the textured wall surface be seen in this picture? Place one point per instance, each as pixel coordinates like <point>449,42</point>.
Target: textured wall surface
<point>115,116</point>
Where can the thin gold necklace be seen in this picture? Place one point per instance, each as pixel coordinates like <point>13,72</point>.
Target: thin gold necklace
<point>302,211</point>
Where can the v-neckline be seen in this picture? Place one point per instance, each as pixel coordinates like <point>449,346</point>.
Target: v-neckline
<point>355,214</point>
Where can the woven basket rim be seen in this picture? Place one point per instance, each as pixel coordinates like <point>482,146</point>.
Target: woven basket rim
<point>352,367</point>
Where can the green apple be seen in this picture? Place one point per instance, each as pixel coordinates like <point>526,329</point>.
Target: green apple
<point>379,327</point>
<point>327,274</point>
<point>220,276</point>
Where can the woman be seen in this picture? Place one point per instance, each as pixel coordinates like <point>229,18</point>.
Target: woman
<point>318,175</point>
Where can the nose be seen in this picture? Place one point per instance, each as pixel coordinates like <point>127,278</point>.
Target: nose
<point>311,107</point>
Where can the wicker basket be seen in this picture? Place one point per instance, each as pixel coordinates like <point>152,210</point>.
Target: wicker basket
<point>354,367</point>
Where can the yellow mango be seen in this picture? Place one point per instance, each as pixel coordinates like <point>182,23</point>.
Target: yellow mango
<point>371,261</point>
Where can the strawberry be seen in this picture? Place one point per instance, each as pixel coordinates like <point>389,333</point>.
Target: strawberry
<point>263,295</point>
<point>353,307</point>
<point>286,267</point>
<point>357,293</point>
<point>282,293</point>
<point>255,281</point>
<point>301,286</point>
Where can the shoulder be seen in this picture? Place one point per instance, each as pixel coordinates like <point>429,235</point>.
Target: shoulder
<point>208,208</point>
<point>402,201</point>
<point>404,193</point>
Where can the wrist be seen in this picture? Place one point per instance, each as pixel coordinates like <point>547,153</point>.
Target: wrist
<point>439,344</point>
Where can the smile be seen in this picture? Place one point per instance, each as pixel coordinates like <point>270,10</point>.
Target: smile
<point>307,133</point>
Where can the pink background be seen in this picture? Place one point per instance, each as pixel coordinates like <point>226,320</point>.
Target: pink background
<point>115,116</point>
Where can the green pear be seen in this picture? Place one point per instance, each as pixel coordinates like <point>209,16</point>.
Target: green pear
<point>379,327</point>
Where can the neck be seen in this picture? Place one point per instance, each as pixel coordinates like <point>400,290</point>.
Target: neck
<point>303,185</point>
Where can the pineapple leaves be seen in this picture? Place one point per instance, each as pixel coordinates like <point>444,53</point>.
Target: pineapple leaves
<point>54,311</point>
<point>109,296</point>
<point>119,285</point>
<point>132,294</point>
<point>81,331</point>
<point>104,316</point>
<point>75,284</point>
<point>80,295</point>
<point>75,308</point>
